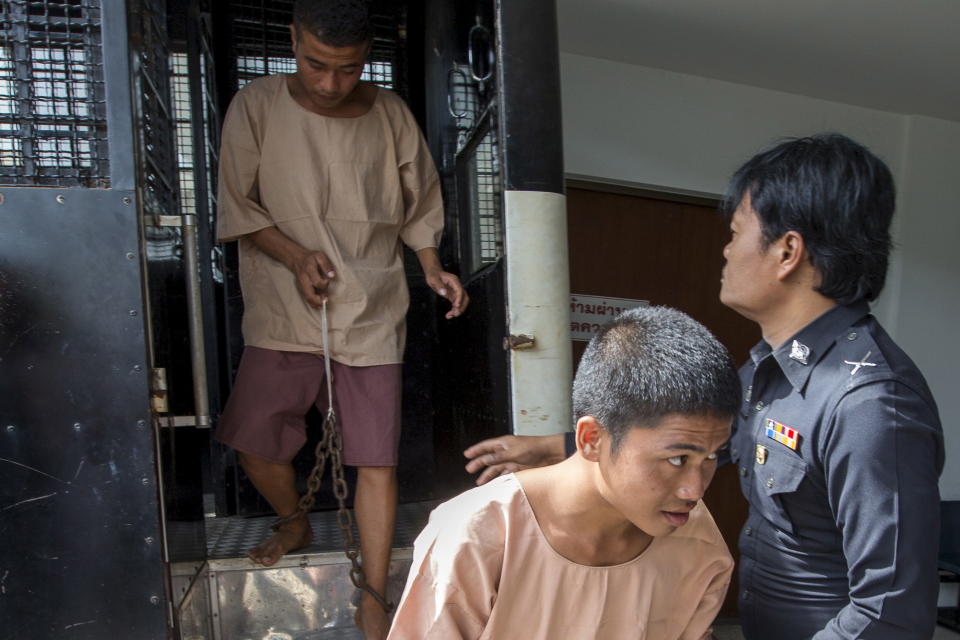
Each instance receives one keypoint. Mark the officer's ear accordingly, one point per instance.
(590, 435)
(791, 253)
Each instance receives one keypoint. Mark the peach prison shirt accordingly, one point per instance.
(353, 188)
(482, 569)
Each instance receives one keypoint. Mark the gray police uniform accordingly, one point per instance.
(839, 448)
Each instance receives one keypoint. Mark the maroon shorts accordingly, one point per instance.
(274, 390)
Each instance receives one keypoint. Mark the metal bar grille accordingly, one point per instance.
(196, 122)
(53, 123)
(180, 93)
(487, 214)
(157, 162)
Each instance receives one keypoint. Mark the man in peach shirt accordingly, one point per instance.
(322, 179)
(612, 543)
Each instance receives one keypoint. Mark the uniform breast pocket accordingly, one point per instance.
(779, 476)
(362, 192)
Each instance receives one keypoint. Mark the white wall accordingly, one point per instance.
(667, 130)
(927, 320)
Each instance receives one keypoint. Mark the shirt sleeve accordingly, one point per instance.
(422, 200)
(709, 605)
(882, 459)
(239, 211)
(453, 580)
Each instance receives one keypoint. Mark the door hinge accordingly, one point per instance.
(159, 400)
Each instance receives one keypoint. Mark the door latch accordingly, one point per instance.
(518, 342)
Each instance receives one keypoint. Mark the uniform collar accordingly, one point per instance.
(798, 355)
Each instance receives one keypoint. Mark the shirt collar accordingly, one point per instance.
(799, 354)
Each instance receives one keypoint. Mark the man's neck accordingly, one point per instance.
(576, 520)
(356, 104)
(789, 317)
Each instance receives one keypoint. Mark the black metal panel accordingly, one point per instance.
(79, 514)
(529, 73)
(472, 379)
(119, 96)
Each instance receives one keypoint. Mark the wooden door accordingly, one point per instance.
(627, 245)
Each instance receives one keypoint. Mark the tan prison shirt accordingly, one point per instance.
(350, 187)
(482, 569)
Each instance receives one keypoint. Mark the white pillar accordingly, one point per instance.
(538, 299)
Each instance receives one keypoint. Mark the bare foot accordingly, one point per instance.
(289, 537)
(372, 620)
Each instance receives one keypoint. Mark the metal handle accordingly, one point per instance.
(198, 356)
(472, 43)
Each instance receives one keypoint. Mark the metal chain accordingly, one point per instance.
(330, 448)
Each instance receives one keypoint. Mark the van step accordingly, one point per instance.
(307, 595)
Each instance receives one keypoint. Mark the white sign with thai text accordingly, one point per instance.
(589, 313)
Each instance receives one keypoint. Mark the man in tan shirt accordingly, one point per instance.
(613, 543)
(321, 179)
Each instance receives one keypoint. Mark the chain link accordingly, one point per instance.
(329, 448)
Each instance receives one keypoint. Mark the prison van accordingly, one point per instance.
(120, 516)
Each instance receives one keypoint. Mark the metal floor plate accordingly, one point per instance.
(306, 595)
(233, 537)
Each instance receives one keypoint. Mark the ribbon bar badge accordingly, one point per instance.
(783, 434)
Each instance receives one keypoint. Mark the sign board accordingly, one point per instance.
(589, 313)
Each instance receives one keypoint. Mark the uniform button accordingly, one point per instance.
(748, 531)
(769, 483)
(733, 452)
(852, 335)
(743, 471)
(746, 594)
(760, 406)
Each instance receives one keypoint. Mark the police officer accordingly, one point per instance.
(838, 442)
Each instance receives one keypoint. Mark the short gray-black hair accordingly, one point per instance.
(648, 363)
(336, 23)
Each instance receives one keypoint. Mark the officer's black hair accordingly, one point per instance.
(648, 363)
(336, 23)
(837, 195)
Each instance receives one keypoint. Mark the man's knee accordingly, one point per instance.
(377, 475)
(252, 462)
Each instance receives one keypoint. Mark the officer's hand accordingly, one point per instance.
(507, 454)
(314, 272)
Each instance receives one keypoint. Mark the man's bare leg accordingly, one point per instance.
(375, 506)
(277, 484)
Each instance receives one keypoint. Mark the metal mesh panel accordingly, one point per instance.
(180, 94)
(157, 147)
(261, 43)
(480, 189)
(53, 125)
(487, 216)
(185, 120)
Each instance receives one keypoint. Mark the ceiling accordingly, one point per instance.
(894, 55)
